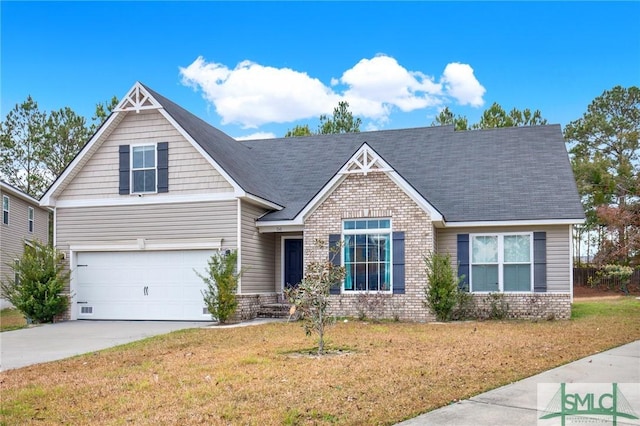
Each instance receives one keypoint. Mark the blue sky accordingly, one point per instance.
(258, 69)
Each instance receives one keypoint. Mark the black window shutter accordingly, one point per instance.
(335, 255)
(124, 169)
(163, 167)
(463, 261)
(398, 262)
(540, 261)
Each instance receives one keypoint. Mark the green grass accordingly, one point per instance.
(11, 319)
(621, 307)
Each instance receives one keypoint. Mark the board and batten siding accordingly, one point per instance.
(558, 249)
(189, 171)
(256, 253)
(14, 235)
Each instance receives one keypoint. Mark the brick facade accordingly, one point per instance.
(375, 196)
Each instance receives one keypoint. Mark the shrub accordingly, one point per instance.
(311, 297)
(498, 306)
(221, 279)
(465, 308)
(441, 292)
(39, 279)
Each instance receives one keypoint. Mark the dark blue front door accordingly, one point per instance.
(292, 262)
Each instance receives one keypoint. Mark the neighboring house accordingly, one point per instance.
(157, 190)
(23, 220)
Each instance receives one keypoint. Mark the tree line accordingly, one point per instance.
(603, 148)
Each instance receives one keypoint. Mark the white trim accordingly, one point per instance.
(435, 215)
(150, 245)
(365, 161)
(239, 245)
(155, 167)
(514, 223)
(8, 210)
(31, 220)
(17, 193)
(384, 167)
(236, 187)
(501, 263)
(137, 199)
(55, 228)
(281, 226)
(571, 261)
(282, 253)
(262, 201)
(47, 199)
(73, 283)
(386, 231)
(135, 100)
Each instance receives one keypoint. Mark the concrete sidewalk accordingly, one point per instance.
(517, 404)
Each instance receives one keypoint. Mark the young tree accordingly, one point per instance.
(605, 155)
(221, 279)
(38, 280)
(311, 296)
(441, 292)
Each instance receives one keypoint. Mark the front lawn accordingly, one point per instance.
(11, 319)
(249, 375)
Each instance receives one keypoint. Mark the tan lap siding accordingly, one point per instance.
(13, 235)
(558, 249)
(189, 171)
(257, 255)
(178, 221)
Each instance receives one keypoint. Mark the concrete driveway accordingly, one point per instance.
(51, 342)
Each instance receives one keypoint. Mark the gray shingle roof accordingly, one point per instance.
(518, 173)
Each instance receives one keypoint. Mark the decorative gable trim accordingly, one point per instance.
(137, 99)
(365, 161)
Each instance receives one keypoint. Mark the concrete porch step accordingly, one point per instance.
(274, 310)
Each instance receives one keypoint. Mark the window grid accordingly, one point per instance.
(5, 209)
(31, 219)
(143, 169)
(485, 271)
(367, 255)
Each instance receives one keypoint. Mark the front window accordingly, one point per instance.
(367, 255)
(501, 262)
(143, 168)
(30, 218)
(5, 209)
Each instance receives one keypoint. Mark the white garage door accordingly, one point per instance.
(150, 285)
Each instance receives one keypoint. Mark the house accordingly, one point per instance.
(23, 221)
(156, 191)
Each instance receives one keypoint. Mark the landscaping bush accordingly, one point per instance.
(441, 292)
(221, 279)
(39, 278)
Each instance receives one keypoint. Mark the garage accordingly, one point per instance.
(141, 285)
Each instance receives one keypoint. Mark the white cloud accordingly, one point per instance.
(252, 94)
(257, 135)
(461, 84)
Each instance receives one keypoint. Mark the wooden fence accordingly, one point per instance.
(581, 276)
